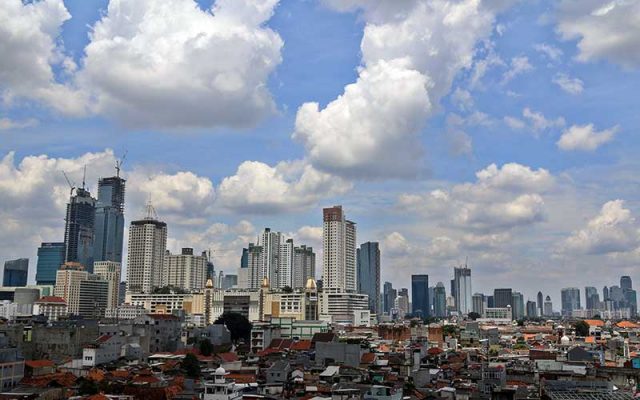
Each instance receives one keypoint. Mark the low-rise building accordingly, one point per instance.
(51, 307)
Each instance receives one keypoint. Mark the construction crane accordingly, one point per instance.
(119, 163)
(71, 185)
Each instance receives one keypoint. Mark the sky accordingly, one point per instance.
(500, 133)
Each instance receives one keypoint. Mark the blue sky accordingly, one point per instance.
(553, 211)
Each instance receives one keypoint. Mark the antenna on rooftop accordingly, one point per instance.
(84, 176)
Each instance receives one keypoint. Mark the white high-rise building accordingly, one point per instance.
(68, 280)
(147, 247)
(254, 266)
(339, 245)
(110, 272)
(270, 243)
(284, 274)
(462, 286)
(185, 270)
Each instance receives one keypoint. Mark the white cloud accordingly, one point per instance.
(7, 123)
(514, 123)
(30, 49)
(501, 199)
(460, 143)
(411, 52)
(463, 99)
(519, 65)
(613, 230)
(604, 30)
(539, 123)
(171, 64)
(568, 84)
(552, 52)
(585, 137)
(259, 188)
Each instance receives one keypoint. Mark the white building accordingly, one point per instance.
(68, 280)
(126, 311)
(185, 270)
(106, 348)
(109, 271)
(336, 305)
(284, 273)
(339, 245)
(51, 307)
(156, 303)
(463, 296)
(146, 250)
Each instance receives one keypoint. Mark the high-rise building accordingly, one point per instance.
(625, 283)
(420, 296)
(109, 220)
(109, 271)
(629, 295)
(146, 251)
(283, 276)
(388, 297)
(478, 303)
(503, 297)
(517, 305)
(185, 270)
(462, 283)
(490, 302)
(16, 272)
(440, 301)
(93, 297)
(532, 309)
(368, 267)
(254, 265)
(304, 266)
(68, 280)
(339, 245)
(570, 300)
(592, 299)
(605, 294)
(540, 304)
(50, 258)
(548, 307)
(401, 303)
(243, 271)
(79, 229)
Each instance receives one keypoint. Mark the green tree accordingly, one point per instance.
(191, 366)
(205, 347)
(238, 325)
(582, 328)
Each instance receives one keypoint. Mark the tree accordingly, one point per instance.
(87, 387)
(582, 328)
(238, 325)
(191, 365)
(287, 289)
(205, 347)
(473, 316)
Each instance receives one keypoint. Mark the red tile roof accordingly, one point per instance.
(301, 345)
(228, 357)
(104, 338)
(51, 299)
(163, 316)
(368, 358)
(39, 363)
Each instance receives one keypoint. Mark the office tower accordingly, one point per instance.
(478, 303)
(109, 271)
(502, 297)
(109, 220)
(440, 301)
(50, 258)
(388, 297)
(540, 303)
(420, 296)
(616, 295)
(532, 309)
(548, 307)
(570, 300)
(452, 289)
(592, 299)
(68, 280)
(605, 294)
(401, 303)
(432, 300)
(230, 281)
(78, 230)
(284, 272)
(243, 271)
(625, 283)
(93, 297)
(490, 302)
(147, 247)
(16, 272)
(304, 266)
(517, 305)
(339, 245)
(462, 283)
(631, 301)
(244, 258)
(264, 260)
(368, 267)
(185, 270)
(254, 257)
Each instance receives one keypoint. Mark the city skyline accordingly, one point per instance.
(520, 156)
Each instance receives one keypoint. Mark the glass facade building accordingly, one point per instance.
(50, 258)
(79, 229)
(16, 272)
(368, 266)
(109, 220)
(420, 296)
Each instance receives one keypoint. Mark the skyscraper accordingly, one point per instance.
(570, 300)
(503, 297)
(532, 309)
(463, 297)
(420, 296)
(478, 303)
(625, 283)
(50, 258)
(109, 220)
(517, 305)
(605, 293)
(16, 272)
(548, 307)
(629, 295)
(146, 251)
(254, 265)
(185, 270)
(592, 299)
(440, 300)
(79, 228)
(388, 297)
(368, 267)
(339, 245)
(109, 271)
(304, 266)
(540, 304)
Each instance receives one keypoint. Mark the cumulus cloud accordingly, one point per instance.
(172, 64)
(500, 199)
(568, 84)
(411, 52)
(519, 65)
(534, 120)
(550, 51)
(613, 230)
(259, 188)
(585, 138)
(603, 30)
(30, 50)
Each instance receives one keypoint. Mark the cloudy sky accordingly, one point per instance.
(501, 131)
